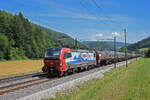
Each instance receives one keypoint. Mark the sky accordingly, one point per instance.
(84, 20)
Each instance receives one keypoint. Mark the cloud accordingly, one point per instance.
(109, 37)
(99, 35)
(121, 18)
(95, 34)
(144, 34)
(116, 34)
(68, 14)
(92, 37)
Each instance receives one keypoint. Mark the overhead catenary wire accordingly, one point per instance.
(106, 15)
(48, 25)
(92, 13)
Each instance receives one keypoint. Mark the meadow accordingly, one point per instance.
(9, 68)
(131, 83)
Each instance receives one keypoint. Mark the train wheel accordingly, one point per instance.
(49, 75)
(73, 70)
(60, 74)
(69, 71)
(88, 68)
(65, 73)
(78, 69)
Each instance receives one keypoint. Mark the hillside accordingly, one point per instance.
(145, 43)
(118, 44)
(103, 45)
(61, 38)
(98, 45)
(21, 39)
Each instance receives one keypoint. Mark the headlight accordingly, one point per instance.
(60, 63)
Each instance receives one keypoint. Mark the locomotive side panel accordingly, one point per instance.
(79, 59)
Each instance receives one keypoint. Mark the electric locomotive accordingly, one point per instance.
(62, 61)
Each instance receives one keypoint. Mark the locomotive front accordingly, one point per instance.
(52, 62)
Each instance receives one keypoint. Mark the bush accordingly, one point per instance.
(147, 53)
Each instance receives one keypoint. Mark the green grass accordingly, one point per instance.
(132, 83)
(143, 49)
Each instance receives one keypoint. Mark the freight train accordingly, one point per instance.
(62, 61)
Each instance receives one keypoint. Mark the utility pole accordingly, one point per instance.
(125, 34)
(115, 51)
(76, 43)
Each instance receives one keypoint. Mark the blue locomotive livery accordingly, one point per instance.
(79, 57)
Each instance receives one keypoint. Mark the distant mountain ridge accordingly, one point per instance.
(103, 45)
(118, 44)
(145, 43)
(98, 45)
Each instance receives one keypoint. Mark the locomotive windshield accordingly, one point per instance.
(52, 53)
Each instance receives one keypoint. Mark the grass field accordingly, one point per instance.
(132, 83)
(143, 49)
(8, 68)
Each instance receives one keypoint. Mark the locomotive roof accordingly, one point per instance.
(55, 48)
(80, 50)
(74, 50)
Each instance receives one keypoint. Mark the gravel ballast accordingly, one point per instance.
(49, 89)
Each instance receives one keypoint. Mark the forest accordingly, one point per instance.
(21, 39)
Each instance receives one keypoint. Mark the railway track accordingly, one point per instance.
(25, 84)
(8, 85)
(42, 78)
(22, 85)
(19, 77)
(15, 83)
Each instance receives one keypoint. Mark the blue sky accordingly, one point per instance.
(70, 17)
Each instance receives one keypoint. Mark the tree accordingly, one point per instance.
(3, 46)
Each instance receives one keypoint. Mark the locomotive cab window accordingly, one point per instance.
(67, 55)
(52, 53)
(94, 55)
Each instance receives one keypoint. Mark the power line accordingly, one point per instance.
(58, 28)
(92, 13)
(106, 15)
